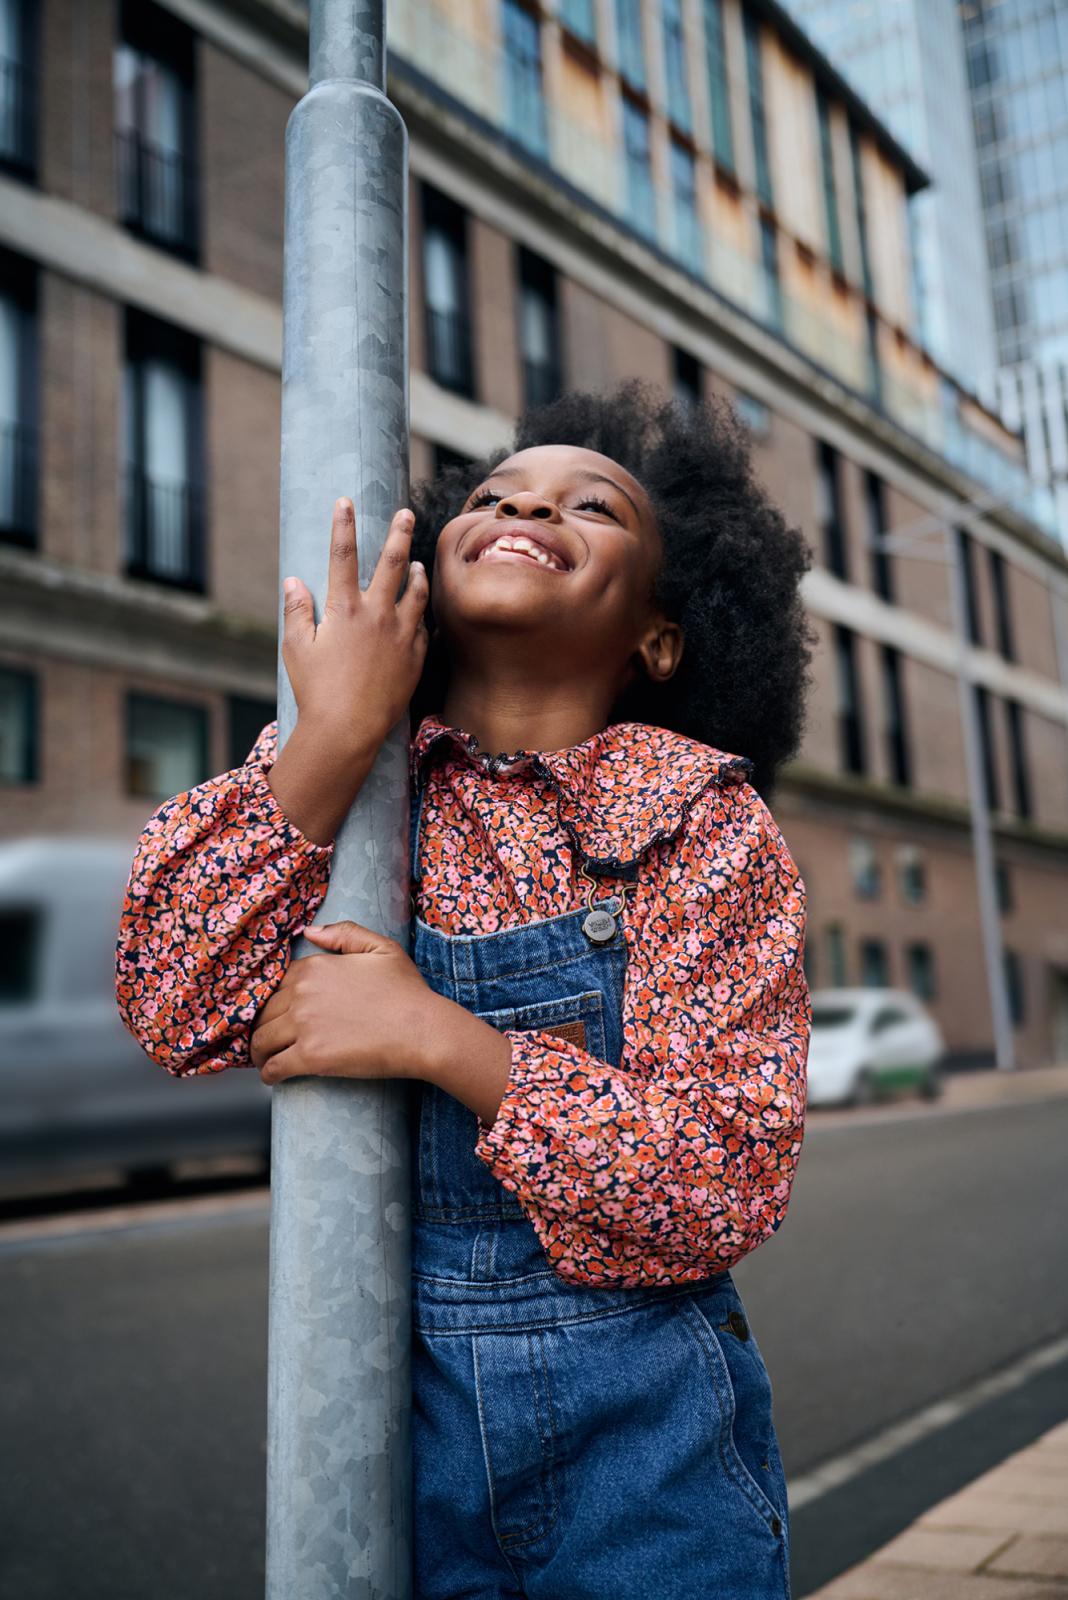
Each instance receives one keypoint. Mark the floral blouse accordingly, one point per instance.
(666, 1169)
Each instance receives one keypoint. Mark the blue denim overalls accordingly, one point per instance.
(569, 1442)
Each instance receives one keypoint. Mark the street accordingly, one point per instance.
(922, 1254)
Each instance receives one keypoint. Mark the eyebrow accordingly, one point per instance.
(584, 475)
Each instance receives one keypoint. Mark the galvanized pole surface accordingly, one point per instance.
(339, 1391)
(982, 846)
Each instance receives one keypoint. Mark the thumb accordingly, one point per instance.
(347, 938)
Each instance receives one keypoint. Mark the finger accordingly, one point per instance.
(347, 938)
(298, 613)
(412, 603)
(343, 578)
(393, 559)
(270, 1038)
(286, 1064)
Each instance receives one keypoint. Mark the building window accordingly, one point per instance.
(919, 963)
(897, 751)
(166, 747)
(986, 745)
(757, 117)
(641, 206)
(1021, 781)
(524, 100)
(830, 193)
(1014, 984)
(164, 453)
(769, 265)
(678, 90)
(850, 724)
(875, 370)
(718, 91)
(754, 413)
(18, 86)
(875, 502)
(629, 44)
(246, 718)
(18, 400)
(446, 458)
(448, 321)
(999, 582)
(155, 128)
(829, 510)
(580, 17)
(864, 869)
(913, 876)
(539, 329)
(1003, 886)
(18, 726)
(689, 386)
(837, 964)
(971, 607)
(688, 242)
(874, 968)
(861, 211)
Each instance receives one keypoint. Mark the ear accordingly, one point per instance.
(660, 651)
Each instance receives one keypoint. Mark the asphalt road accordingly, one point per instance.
(920, 1254)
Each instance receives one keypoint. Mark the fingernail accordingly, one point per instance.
(289, 585)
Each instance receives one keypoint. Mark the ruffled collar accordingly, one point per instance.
(626, 788)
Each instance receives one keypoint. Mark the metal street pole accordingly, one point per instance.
(339, 1390)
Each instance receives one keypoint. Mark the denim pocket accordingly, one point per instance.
(559, 1015)
(748, 1441)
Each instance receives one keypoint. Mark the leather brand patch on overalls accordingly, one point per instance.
(571, 1032)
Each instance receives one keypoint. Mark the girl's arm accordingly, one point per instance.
(679, 1163)
(221, 880)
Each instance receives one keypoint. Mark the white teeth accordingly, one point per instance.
(526, 547)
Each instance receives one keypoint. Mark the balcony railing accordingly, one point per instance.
(164, 530)
(18, 484)
(157, 192)
(449, 349)
(18, 116)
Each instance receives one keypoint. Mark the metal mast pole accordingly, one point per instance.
(339, 1394)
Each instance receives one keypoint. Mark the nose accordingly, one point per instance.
(528, 503)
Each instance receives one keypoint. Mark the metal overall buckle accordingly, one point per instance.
(598, 925)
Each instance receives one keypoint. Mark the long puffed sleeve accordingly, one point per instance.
(680, 1162)
(221, 879)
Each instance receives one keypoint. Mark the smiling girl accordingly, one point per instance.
(602, 1012)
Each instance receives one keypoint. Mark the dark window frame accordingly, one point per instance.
(927, 988)
(832, 527)
(203, 711)
(831, 215)
(1000, 582)
(972, 622)
(687, 376)
(851, 742)
(444, 216)
(877, 949)
(142, 172)
(718, 86)
(860, 207)
(897, 742)
(988, 759)
(881, 562)
(542, 380)
(149, 339)
(30, 768)
(754, 67)
(1014, 983)
(525, 118)
(19, 441)
(246, 718)
(1021, 778)
(19, 80)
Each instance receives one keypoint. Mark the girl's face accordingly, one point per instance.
(592, 525)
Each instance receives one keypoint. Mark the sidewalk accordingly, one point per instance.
(963, 1091)
(1004, 1537)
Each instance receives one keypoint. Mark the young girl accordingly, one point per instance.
(604, 1012)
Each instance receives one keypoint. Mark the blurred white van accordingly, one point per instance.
(76, 1090)
(870, 1043)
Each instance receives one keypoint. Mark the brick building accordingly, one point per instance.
(680, 189)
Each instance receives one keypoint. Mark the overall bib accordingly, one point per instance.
(569, 1442)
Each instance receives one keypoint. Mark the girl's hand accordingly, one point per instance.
(365, 1012)
(355, 673)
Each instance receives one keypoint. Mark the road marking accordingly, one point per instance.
(841, 1469)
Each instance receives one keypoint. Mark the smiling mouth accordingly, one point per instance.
(521, 549)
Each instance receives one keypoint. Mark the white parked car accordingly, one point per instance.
(870, 1043)
(77, 1092)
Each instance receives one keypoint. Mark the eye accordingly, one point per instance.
(597, 504)
(483, 497)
